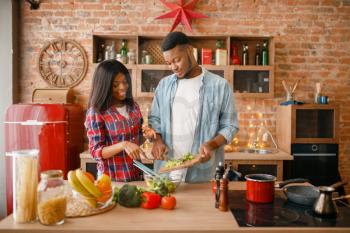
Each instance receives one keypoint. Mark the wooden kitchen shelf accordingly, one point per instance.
(246, 81)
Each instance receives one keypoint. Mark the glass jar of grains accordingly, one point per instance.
(52, 200)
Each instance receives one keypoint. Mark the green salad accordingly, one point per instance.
(177, 162)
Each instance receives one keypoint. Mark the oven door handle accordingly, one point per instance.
(314, 154)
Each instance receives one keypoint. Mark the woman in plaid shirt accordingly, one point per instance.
(114, 122)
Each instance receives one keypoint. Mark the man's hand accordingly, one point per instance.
(159, 148)
(205, 152)
(133, 150)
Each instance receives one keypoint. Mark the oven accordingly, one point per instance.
(316, 162)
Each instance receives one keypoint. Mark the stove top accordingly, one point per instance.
(281, 213)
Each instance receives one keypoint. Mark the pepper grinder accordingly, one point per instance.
(219, 172)
(223, 201)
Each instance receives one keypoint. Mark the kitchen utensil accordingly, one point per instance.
(303, 194)
(186, 164)
(260, 188)
(341, 197)
(324, 204)
(143, 168)
(300, 194)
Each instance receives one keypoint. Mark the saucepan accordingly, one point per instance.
(260, 188)
(303, 194)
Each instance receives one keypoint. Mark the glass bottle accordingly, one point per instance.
(107, 53)
(144, 54)
(235, 57)
(112, 51)
(52, 200)
(265, 54)
(257, 55)
(245, 56)
(100, 53)
(131, 56)
(124, 51)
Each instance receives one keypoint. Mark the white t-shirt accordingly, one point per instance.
(184, 114)
(122, 110)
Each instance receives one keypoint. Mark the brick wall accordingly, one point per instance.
(312, 43)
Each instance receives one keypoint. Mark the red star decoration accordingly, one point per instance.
(181, 12)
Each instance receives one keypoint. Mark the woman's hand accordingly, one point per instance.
(148, 132)
(133, 150)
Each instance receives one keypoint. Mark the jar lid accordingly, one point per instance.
(51, 174)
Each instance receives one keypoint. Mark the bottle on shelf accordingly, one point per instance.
(245, 55)
(107, 53)
(265, 54)
(124, 51)
(100, 57)
(143, 58)
(131, 56)
(235, 57)
(112, 53)
(257, 55)
(220, 54)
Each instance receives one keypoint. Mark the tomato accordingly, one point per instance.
(168, 202)
(150, 200)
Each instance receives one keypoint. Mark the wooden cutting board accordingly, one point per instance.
(186, 164)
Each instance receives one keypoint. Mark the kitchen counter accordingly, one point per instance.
(195, 212)
(252, 161)
(280, 155)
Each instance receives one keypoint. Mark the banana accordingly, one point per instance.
(88, 185)
(76, 185)
(91, 202)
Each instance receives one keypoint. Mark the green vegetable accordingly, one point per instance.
(161, 185)
(177, 162)
(158, 186)
(115, 194)
(129, 196)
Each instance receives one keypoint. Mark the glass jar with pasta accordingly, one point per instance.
(52, 200)
(25, 182)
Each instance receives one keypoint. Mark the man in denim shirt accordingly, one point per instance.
(193, 111)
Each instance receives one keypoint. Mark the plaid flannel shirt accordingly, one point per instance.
(108, 128)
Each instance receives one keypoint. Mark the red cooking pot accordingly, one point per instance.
(260, 188)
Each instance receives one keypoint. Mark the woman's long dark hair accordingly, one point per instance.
(101, 96)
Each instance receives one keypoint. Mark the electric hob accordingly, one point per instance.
(281, 213)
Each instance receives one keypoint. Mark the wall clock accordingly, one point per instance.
(62, 63)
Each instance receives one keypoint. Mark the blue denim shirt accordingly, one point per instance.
(217, 115)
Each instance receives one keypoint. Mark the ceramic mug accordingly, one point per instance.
(323, 99)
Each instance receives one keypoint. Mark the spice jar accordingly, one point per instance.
(52, 199)
(25, 182)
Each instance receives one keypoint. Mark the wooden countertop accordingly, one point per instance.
(195, 212)
(280, 155)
